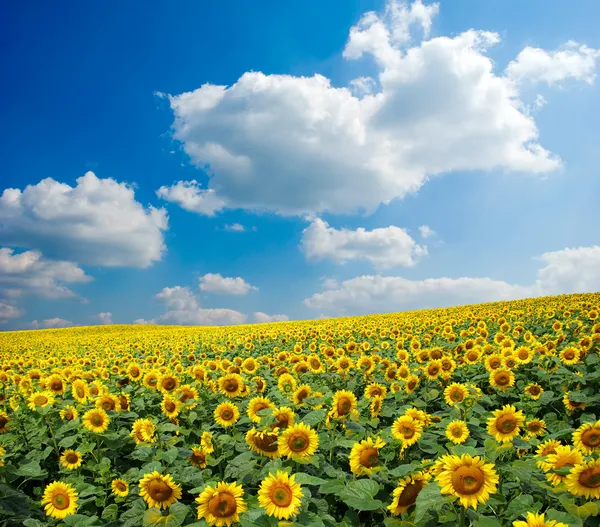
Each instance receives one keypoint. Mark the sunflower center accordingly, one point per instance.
(41, 400)
(457, 396)
(408, 431)
(231, 386)
(502, 379)
(506, 424)
(534, 427)
(159, 490)
(69, 415)
(72, 458)
(344, 406)
(282, 496)
(534, 390)
(282, 421)
(120, 486)
(468, 480)
(226, 414)
(266, 442)
(170, 406)
(410, 493)
(108, 405)
(412, 384)
(61, 501)
(369, 457)
(590, 478)
(457, 432)
(495, 363)
(591, 438)
(97, 420)
(434, 370)
(199, 458)
(93, 390)
(56, 386)
(222, 505)
(298, 443)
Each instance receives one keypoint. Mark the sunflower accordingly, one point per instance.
(570, 355)
(418, 415)
(41, 400)
(226, 414)
(365, 455)
(433, 369)
(59, 500)
(455, 393)
(198, 457)
(376, 405)
(301, 393)
(468, 478)
(2, 454)
(95, 420)
(231, 385)
(69, 413)
(71, 459)
(168, 383)
(170, 406)
(534, 391)
(502, 379)
(286, 383)
(222, 504)
(108, 403)
(344, 404)
(523, 355)
(264, 443)
(143, 431)
(547, 447)
(119, 487)
(505, 424)
(280, 495)
(535, 427)
(584, 480)
(298, 442)
(538, 520)
(257, 404)
(457, 432)
(79, 391)
(206, 442)
(134, 372)
(284, 417)
(374, 390)
(412, 381)
(565, 456)
(55, 384)
(407, 430)
(570, 405)
(405, 494)
(493, 362)
(159, 491)
(587, 437)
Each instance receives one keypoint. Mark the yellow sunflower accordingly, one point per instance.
(198, 457)
(538, 520)
(455, 393)
(570, 405)
(457, 432)
(505, 424)
(534, 391)
(143, 431)
(565, 456)
(231, 385)
(374, 390)
(280, 495)
(71, 459)
(284, 417)
(69, 413)
(206, 442)
(95, 420)
(587, 437)
(257, 404)
(301, 393)
(59, 500)
(502, 379)
(344, 404)
(584, 480)
(41, 400)
(470, 479)
(407, 430)
(222, 504)
(170, 406)
(570, 355)
(265, 443)
(159, 491)
(405, 494)
(298, 442)
(119, 487)
(79, 390)
(365, 455)
(226, 414)
(535, 427)
(375, 406)
(4, 420)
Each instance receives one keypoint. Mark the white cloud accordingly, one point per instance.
(234, 227)
(572, 61)
(50, 323)
(8, 311)
(183, 308)
(571, 270)
(189, 196)
(426, 231)
(263, 317)
(384, 247)
(145, 322)
(97, 222)
(105, 318)
(29, 272)
(363, 86)
(298, 145)
(215, 283)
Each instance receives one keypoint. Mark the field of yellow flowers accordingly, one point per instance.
(484, 415)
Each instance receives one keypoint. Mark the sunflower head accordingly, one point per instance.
(119, 487)
(226, 414)
(264, 443)
(584, 480)
(71, 459)
(280, 495)
(96, 420)
(159, 491)
(364, 456)
(457, 432)
(221, 505)
(59, 500)
(505, 424)
(406, 493)
(298, 442)
(587, 437)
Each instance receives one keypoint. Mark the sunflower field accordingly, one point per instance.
(485, 415)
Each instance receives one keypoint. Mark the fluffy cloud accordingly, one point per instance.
(105, 318)
(263, 317)
(572, 61)
(426, 231)
(298, 145)
(8, 311)
(97, 222)
(189, 196)
(566, 271)
(29, 272)
(182, 308)
(215, 283)
(234, 227)
(50, 323)
(383, 247)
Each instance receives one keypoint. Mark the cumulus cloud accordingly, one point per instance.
(215, 283)
(97, 222)
(51, 323)
(263, 317)
(426, 231)
(105, 318)
(570, 270)
(30, 273)
(8, 312)
(234, 227)
(298, 145)
(182, 308)
(189, 196)
(384, 247)
(572, 61)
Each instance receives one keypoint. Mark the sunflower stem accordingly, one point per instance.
(56, 450)
(462, 517)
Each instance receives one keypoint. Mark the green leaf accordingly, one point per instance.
(403, 470)
(306, 479)
(395, 522)
(31, 469)
(569, 519)
(315, 417)
(111, 512)
(429, 499)
(486, 521)
(68, 442)
(171, 455)
(333, 486)
(521, 503)
(79, 520)
(359, 494)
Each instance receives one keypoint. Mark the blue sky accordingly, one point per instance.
(476, 119)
